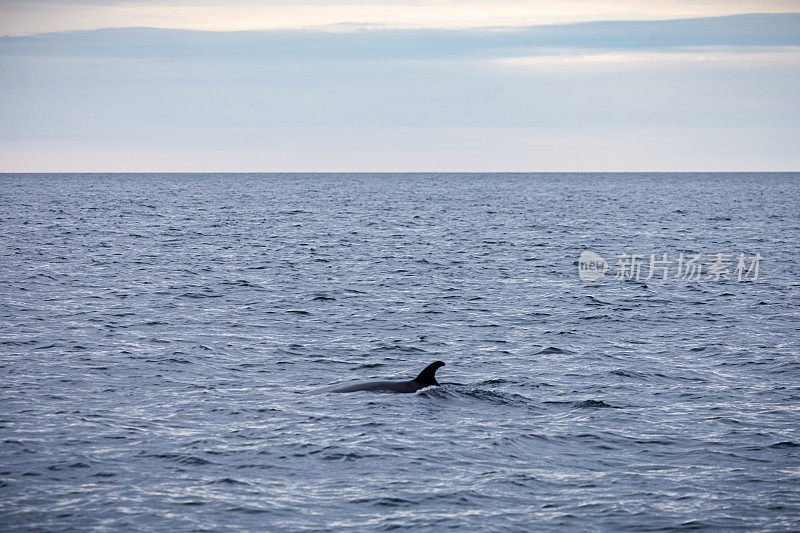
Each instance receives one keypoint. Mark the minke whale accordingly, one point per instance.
(426, 378)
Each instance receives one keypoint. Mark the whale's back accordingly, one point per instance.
(376, 386)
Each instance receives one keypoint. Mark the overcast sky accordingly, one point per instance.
(397, 86)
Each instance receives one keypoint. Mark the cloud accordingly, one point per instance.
(740, 30)
(708, 57)
(708, 93)
(38, 16)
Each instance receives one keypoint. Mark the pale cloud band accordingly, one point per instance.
(682, 35)
(708, 57)
(24, 17)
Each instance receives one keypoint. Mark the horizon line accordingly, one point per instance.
(188, 172)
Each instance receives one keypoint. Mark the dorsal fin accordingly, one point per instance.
(428, 375)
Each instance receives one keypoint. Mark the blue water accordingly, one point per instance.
(159, 333)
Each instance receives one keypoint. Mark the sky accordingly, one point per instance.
(209, 86)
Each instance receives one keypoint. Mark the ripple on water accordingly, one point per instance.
(158, 332)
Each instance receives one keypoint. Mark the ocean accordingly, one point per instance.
(622, 352)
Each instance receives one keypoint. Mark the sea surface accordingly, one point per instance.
(160, 335)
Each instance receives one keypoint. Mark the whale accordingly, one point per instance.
(426, 378)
